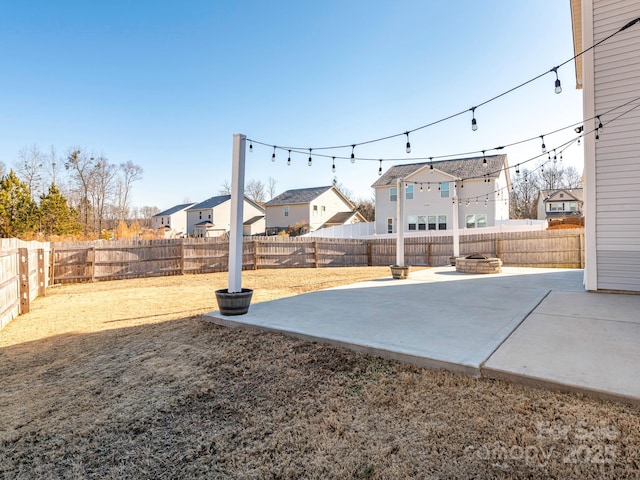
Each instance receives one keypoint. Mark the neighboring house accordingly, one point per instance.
(319, 207)
(172, 221)
(476, 190)
(608, 76)
(212, 217)
(560, 203)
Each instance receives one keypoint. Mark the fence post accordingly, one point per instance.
(182, 256)
(429, 254)
(52, 266)
(23, 261)
(497, 246)
(42, 287)
(255, 254)
(369, 254)
(315, 254)
(93, 263)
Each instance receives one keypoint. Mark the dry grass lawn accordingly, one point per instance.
(125, 380)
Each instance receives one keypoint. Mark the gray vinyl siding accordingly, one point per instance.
(617, 81)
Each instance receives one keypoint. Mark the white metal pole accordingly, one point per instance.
(400, 223)
(456, 229)
(237, 205)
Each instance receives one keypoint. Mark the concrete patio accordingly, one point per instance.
(526, 324)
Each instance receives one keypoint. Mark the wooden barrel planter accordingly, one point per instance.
(400, 272)
(236, 303)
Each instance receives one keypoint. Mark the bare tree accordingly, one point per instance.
(549, 176)
(102, 188)
(367, 208)
(145, 215)
(81, 167)
(255, 190)
(225, 188)
(53, 167)
(129, 173)
(271, 187)
(29, 168)
(524, 195)
(572, 178)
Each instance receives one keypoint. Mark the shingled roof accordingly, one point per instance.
(464, 168)
(172, 210)
(211, 202)
(300, 195)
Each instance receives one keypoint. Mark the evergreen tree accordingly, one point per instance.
(56, 216)
(18, 211)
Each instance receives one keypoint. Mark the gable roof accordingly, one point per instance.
(464, 168)
(341, 218)
(215, 201)
(172, 210)
(253, 220)
(300, 195)
(575, 193)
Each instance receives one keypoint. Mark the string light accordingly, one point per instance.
(289, 158)
(408, 143)
(474, 123)
(333, 167)
(273, 155)
(428, 187)
(558, 88)
(518, 169)
(380, 168)
(250, 147)
(599, 123)
(431, 164)
(353, 156)
(420, 187)
(544, 147)
(310, 160)
(484, 160)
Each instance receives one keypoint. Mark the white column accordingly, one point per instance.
(456, 229)
(400, 223)
(237, 205)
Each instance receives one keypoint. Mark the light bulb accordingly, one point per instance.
(333, 167)
(408, 143)
(558, 86)
(289, 158)
(544, 147)
(273, 155)
(599, 122)
(380, 168)
(310, 161)
(474, 123)
(428, 187)
(250, 147)
(353, 156)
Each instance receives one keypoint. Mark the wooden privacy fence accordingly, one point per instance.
(104, 260)
(24, 275)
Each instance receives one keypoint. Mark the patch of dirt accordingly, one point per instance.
(125, 380)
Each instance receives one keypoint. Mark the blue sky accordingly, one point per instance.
(166, 84)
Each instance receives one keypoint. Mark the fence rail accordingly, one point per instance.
(95, 261)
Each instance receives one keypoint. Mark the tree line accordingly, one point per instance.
(46, 194)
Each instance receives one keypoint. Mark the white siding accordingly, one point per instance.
(616, 70)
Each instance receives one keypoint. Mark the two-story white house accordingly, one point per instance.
(560, 203)
(317, 207)
(173, 221)
(476, 190)
(212, 217)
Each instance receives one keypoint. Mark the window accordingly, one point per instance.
(323, 210)
(409, 192)
(481, 221)
(470, 221)
(444, 189)
(442, 222)
(412, 221)
(162, 221)
(562, 195)
(422, 222)
(573, 206)
(389, 225)
(315, 210)
(432, 222)
(556, 207)
(200, 214)
(209, 216)
(286, 210)
(393, 194)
